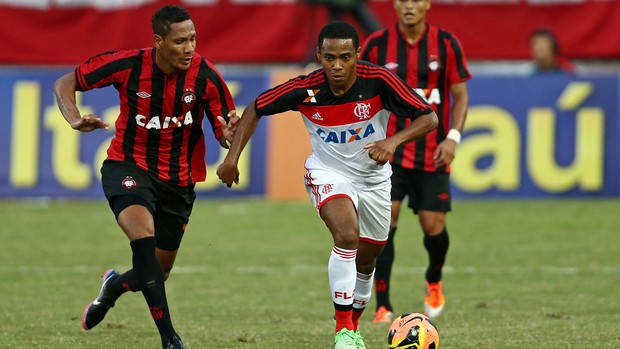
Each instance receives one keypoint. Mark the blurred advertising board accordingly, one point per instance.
(525, 137)
(40, 155)
(540, 136)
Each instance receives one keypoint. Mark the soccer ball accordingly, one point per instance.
(413, 331)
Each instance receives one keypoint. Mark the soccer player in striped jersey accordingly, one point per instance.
(157, 154)
(345, 106)
(432, 61)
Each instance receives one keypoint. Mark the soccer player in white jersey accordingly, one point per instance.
(345, 106)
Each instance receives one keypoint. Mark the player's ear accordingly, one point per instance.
(318, 54)
(358, 52)
(157, 41)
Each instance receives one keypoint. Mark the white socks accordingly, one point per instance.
(342, 271)
(363, 290)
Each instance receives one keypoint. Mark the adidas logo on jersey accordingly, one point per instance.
(316, 116)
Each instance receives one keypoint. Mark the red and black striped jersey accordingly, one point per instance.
(430, 66)
(340, 126)
(160, 123)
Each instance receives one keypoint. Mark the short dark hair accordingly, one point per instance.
(339, 30)
(166, 16)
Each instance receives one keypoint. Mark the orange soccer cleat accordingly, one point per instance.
(383, 315)
(434, 300)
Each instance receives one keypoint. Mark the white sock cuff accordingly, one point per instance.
(365, 277)
(344, 254)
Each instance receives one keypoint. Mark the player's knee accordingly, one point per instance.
(432, 227)
(346, 239)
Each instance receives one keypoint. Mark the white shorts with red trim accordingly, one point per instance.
(372, 202)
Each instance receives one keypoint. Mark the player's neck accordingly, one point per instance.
(412, 33)
(340, 89)
(162, 65)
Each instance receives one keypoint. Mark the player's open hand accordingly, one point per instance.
(228, 173)
(444, 153)
(228, 129)
(89, 122)
(380, 151)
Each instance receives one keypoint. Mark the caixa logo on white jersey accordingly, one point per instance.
(348, 136)
(164, 122)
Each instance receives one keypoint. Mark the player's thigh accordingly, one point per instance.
(174, 207)
(127, 186)
(336, 200)
(322, 186)
(374, 209)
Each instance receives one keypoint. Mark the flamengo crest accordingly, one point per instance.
(362, 111)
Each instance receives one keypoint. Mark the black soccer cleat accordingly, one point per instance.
(96, 311)
(174, 343)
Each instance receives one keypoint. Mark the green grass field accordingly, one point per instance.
(253, 274)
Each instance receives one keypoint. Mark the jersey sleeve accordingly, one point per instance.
(457, 70)
(400, 98)
(219, 101)
(284, 97)
(103, 70)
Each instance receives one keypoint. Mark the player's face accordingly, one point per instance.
(175, 50)
(411, 12)
(338, 58)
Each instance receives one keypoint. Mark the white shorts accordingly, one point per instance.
(372, 203)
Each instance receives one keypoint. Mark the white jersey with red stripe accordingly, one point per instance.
(340, 126)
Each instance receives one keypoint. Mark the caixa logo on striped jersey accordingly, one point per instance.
(164, 122)
(347, 136)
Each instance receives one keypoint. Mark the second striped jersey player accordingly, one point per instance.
(431, 60)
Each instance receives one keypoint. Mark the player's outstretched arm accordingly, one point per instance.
(64, 89)
(228, 172)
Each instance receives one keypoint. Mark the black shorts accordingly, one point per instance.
(426, 190)
(125, 184)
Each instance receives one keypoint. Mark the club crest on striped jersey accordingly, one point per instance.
(311, 96)
(362, 111)
(189, 97)
(433, 63)
(128, 183)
